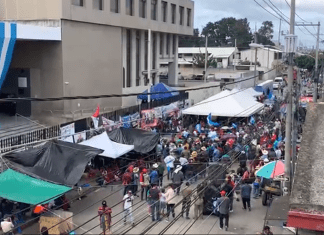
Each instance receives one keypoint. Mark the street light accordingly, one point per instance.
(256, 46)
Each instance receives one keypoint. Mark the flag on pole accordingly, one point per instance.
(95, 117)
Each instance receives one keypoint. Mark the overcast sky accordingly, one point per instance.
(309, 10)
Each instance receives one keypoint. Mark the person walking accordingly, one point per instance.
(154, 197)
(169, 161)
(160, 170)
(104, 213)
(127, 179)
(246, 190)
(229, 189)
(154, 175)
(199, 203)
(256, 187)
(135, 181)
(184, 163)
(144, 182)
(171, 201)
(162, 202)
(186, 201)
(223, 204)
(128, 204)
(177, 179)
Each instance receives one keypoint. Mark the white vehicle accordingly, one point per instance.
(278, 81)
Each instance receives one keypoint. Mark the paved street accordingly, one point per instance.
(241, 221)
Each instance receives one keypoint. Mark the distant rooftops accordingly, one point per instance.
(217, 52)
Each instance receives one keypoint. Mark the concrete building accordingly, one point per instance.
(224, 56)
(92, 47)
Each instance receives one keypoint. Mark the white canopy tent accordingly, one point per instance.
(252, 92)
(235, 103)
(111, 149)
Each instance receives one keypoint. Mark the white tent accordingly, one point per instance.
(252, 92)
(111, 149)
(235, 103)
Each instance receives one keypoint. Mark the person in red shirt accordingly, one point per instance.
(104, 213)
(127, 179)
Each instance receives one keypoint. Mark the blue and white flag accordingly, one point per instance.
(210, 122)
(8, 35)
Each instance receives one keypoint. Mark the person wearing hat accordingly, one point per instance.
(177, 178)
(7, 226)
(128, 204)
(223, 204)
(104, 213)
(154, 175)
(135, 177)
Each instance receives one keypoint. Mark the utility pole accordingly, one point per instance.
(149, 67)
(206, 58)
(256, 56)
(290, 49)
(279, 32)
(316, 64)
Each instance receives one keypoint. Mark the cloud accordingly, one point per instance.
(309, 10)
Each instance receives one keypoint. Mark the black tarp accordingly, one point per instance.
(143, 141)
(56, 161)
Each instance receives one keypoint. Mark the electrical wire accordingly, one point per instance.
(157, 222)
(281, 16)
(76, 198)
(296, 13)
(116, 95)
(267, 10)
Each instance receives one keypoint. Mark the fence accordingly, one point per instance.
(11, 142)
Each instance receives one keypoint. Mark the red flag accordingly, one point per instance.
(96, 114)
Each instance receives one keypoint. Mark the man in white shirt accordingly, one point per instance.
(128, 203)
(169, 161)
(7, 226)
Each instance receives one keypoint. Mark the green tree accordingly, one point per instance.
(265, 33)
(224, 32)
(192, 41)
(198, 60)
(305, 62)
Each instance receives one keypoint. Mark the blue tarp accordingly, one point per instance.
(160, 87)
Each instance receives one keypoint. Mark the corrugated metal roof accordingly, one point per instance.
(218, 52)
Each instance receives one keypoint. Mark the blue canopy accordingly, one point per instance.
(160, 87)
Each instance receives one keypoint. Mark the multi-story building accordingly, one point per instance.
(91, 47)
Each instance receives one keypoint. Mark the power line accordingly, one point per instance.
(296, 13)
(267, 10)
(282, 15)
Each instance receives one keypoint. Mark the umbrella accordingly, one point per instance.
(272, 170)
(228, 136)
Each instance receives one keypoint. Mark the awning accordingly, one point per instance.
(143, 141)
(8, 35)
(111, 149)
(160, 89)
(227, 104)
(56, 161)
(18, 187)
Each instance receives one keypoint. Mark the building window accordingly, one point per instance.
(79, 3)
(142, 8)
(181, 10)
(129, 7)
(114, 6)
(138, 51)
(168, 44)
(153, 9)
(98, 5)
(128, 57)
(161, 43)
(164, 11)
(173, 12)
(174, 45)
(188, 17)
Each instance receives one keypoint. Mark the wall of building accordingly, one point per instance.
(30, 9)
(44, 59)
(63, 9)
(196, 96)
(265, 57)
(92, 65)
